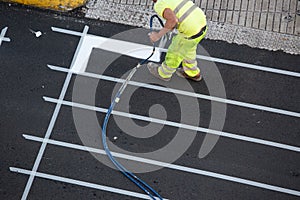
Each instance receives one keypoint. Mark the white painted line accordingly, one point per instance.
(213, 59)
(65, 31)
(5, 39)
(2, 38)
(170, 166)
(181, 92)
(113, 45)
(51, 124)
(178, 125)
(81, 183)
(117, 46)
(249, 66)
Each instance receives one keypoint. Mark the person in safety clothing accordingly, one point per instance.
(190, 21)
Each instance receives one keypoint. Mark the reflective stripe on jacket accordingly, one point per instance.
(191, 18)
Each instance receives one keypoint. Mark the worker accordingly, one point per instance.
(190, 21)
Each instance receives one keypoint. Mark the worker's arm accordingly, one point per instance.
(171, 21)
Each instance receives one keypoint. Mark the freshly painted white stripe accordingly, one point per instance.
(2, 38)
(79, 46)
(81, 183)
(170, 166)
(249, 66)
(181, 92)
(65, 31)
(117, 46)
(218, 60)
(178, 125)
(5, 39)
(52, 122)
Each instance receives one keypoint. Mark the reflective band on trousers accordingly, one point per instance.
(190, 65)
(190, 61)
(168, 71)
(185, 68)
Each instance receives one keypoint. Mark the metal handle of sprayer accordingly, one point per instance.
(119, 93)
(137, 181)
(151, 29)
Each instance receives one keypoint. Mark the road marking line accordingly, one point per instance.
(175, 124)
(181, 92)
(65, 31)
(52, 122)
(2, 38)
(168, 165)
(249, 66)
(120, 47)
(210, 59)
(81, 183)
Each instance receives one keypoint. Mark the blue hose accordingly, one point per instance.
(140, 183)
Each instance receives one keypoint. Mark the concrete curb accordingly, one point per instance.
(233, 28)
(58, 5)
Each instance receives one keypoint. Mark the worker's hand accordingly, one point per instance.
(154, 36)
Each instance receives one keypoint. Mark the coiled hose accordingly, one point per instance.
(137, 181)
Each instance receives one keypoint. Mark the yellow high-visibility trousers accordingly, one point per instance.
(181, 51)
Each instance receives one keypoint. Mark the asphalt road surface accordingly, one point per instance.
(249, 101)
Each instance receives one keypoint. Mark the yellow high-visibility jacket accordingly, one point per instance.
(195, 18)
